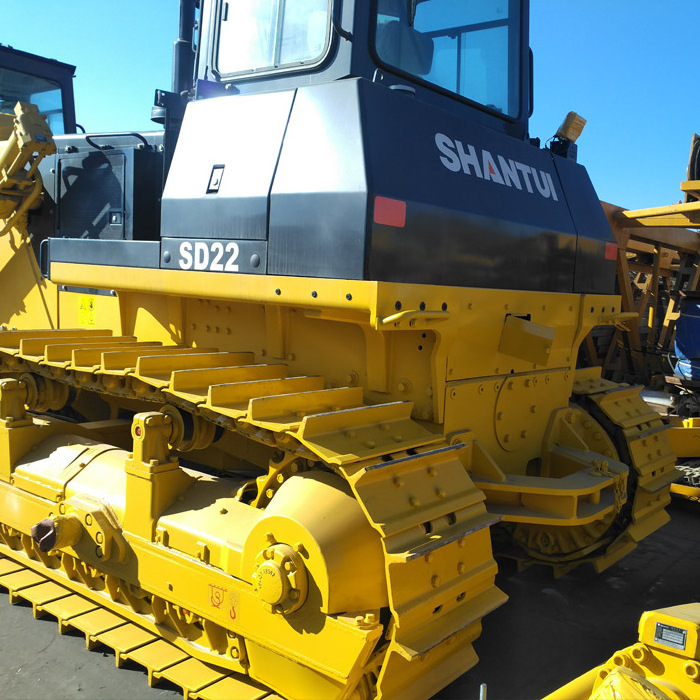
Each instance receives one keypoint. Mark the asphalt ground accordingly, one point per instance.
(550, 631)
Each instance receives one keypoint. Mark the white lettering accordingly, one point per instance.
(449, 157)
(201, 255)
(525, 170)
(468, 160)
(510, 172)
(185, 261)
(218, 250)
(544, 188)
(490, 168)
(231, 265)
(456, 156)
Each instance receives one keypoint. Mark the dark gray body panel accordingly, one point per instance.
(242, 138)
(481, 209)
(296, 179)
(318, 206)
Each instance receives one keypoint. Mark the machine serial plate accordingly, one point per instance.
(214, 255)
(670, 636)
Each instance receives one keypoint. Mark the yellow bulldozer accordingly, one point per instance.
(272, 375)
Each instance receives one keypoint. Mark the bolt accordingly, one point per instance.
(692, 670)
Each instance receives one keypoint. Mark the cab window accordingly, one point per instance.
(471, 47)
(45, 94)
(256, 36)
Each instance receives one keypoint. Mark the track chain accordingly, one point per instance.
(162, 660)
(640, 438)
(435, 530)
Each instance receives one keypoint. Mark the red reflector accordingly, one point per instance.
(390, 212)
(610, 251)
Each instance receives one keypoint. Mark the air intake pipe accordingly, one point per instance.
(183, 50)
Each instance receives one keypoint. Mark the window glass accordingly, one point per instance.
(262, 35)
(45, 94)
(470, 47)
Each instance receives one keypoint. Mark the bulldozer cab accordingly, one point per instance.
(48, 84)
(466, 56)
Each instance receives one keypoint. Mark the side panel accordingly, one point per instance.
(318, 208)
(482, 209)
(596, 256)
(219, 181)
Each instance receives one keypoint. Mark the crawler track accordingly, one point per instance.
(130, 642)
(431, 518)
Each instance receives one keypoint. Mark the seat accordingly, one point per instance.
(405, 47)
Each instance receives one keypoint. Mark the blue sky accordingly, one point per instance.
(624, 65)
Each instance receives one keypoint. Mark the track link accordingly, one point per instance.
(129, 641)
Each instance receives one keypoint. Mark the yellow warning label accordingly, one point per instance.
(86, 310)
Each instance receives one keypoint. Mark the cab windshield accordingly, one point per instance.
(469, 47)
(262, 35)
(45, 94)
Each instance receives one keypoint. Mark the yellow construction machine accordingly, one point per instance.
(663, 665)
(285, 365)
(658, 274)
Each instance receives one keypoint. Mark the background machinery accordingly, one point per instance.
(285, 365)
(48, 84)
(662, 665)
(658, 277)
